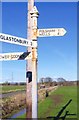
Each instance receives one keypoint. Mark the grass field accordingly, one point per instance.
(12, 88)
(54, 103)
(59, 98)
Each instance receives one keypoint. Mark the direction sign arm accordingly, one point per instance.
(15, 56)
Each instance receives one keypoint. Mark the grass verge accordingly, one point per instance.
(54, 103)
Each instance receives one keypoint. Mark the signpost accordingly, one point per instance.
(30, 55)
(15, 56)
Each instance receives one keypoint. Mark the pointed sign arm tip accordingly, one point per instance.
(65, 31)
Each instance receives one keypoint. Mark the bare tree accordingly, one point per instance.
(42, 80)
(61, 81)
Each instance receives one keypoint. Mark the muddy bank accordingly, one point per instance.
(13, 104)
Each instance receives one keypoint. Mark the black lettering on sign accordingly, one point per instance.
(9, 38)
(47, 32)
(14, 56)
(1, 36)
(24, 42)
(5, 38)
(14, 40)
(6, 56)
(18, 40)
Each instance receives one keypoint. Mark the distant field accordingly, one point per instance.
(59, 98)
(12, 88)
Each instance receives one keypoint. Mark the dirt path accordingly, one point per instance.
(56, 100)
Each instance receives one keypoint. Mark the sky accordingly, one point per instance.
(57, 56)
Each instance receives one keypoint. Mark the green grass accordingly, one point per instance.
(12, 88)
(49, 108)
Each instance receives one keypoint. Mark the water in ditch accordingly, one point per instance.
(21, 112)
